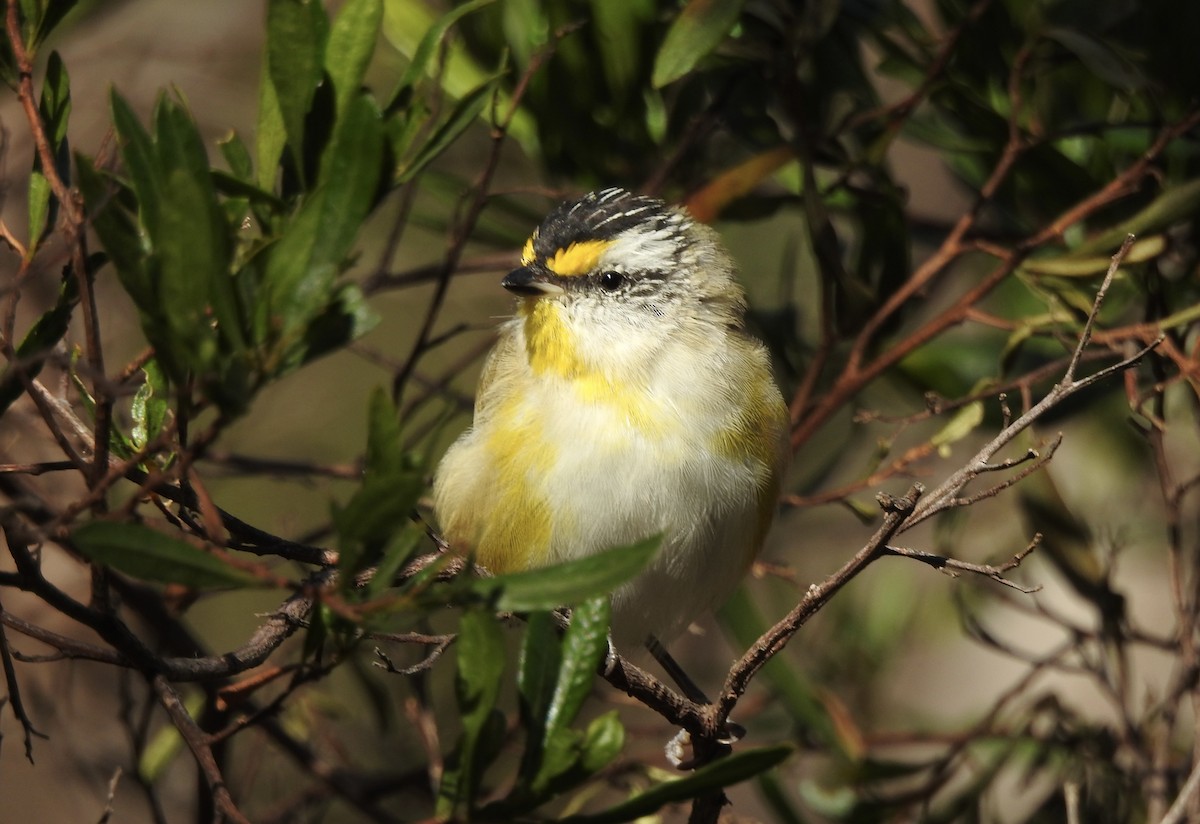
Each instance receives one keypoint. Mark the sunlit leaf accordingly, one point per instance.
(567, 583)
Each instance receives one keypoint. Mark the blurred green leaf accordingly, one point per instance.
(270, 133)
(39, 210)
(460, 119)
(602, 743)
(351, 43)
(434, 33)
(54, 107)
(38, 342)
(296, 36)
(52, 13)
(347, 317)
(1101, 58)
(698, 29)
(1076, 265)
(964, 422)
(567, 583)
(191, 239)
(163, 746)
(382, 505)
(723, 773)
(145, 553)
(1173, 205)
(305, 261)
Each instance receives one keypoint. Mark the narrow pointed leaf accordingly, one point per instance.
(698, 29)
(351, 43)
(723, 773)
(568, 583)
(154, 556)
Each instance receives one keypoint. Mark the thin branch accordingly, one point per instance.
(14, 693)
(197, 742)
(897, 510)
(952, 566)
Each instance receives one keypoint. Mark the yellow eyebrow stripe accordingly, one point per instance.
(527, 255)
(578, 258)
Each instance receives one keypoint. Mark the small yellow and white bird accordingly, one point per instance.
(624, 400)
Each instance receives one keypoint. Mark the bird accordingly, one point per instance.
(623, 400)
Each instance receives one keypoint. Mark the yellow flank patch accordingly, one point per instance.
(517, 529)
(578, 258)
(527, 255)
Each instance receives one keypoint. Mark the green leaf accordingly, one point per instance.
(964, 422)
(476, 687)
(541, 657)
(1173, 205)
(42, 337)
(55, 103)
(602, 743)
(238, 157)
(567, 583)
(351, 43)
(137, 150)
(150, 404)
(118, 231)
(39, 210)
(1077, 265)
(53, 11)
(304, 263)
(723, 773)
(463, 115)
(381, 507)
(296, 34)
(55, 110)
(346, 318)
(191, 240)
(699, 29)
(427, 48)
(270, 134)
(1101, 58)
(162, 747)
(153, 556)
(584, 646)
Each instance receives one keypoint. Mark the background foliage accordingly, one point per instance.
(234, 349)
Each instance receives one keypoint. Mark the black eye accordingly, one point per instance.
(611, 281)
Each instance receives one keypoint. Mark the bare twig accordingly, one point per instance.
(197, 742)
(953, 566)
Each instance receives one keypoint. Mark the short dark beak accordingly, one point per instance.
(530, 283)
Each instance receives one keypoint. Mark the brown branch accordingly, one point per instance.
(953, 566)
(897, 510)
(947, 494)
(464, 227)
(75, 238)
(197, 742)
(14, 693)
